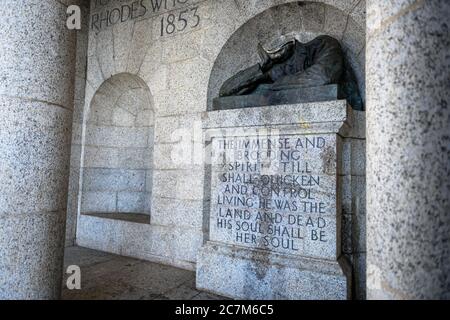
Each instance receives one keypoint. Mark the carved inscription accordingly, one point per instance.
(174, 16)
(180, 21)
(105, 15)
(275, 194)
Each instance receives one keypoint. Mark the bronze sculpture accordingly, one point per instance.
(293, 72)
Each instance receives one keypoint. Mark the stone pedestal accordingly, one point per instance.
(275, 202)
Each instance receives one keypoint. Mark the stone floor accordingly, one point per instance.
(106, 276)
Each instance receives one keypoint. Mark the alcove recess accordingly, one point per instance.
(118, 151)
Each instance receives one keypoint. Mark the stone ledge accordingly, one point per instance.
(337, 111)
(130, 217)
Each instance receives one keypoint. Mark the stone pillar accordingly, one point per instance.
(36, 97)
(408, 151)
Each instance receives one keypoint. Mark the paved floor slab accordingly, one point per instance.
(106, 276)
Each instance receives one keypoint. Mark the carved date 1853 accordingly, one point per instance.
(172, 23)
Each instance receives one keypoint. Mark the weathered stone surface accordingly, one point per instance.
(36, 88)
(32, 249)
(49, 47)
(78, 112)
(359, 270)
(176, 212)
(35, 156)
(237, 273)
(408, 254)
(172, 245)
(178, 184)
(99, 201)
(131, 201)
(83, 257)
(128, 279)
(335, 24)
(179, 155)
(72, 206)
(114, 179)
(307, 116)
(106, 136)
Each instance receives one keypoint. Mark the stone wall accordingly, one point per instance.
(78, 108)
(353, 182)
(183, 52)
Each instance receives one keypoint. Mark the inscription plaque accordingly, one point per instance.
(275, 193)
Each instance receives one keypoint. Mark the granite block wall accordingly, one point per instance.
(181, 51)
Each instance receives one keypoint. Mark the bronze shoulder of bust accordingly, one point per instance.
(320, 77)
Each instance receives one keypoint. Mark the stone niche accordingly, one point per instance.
(118, 147)
(305, 20)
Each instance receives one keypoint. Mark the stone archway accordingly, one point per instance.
(118, 150)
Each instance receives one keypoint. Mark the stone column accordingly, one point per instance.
(37, 57)
(408, 149)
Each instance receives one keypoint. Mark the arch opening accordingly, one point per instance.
(118, 151)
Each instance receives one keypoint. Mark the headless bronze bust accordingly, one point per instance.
(295, 65)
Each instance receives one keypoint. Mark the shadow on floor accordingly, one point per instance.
(106, 276)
